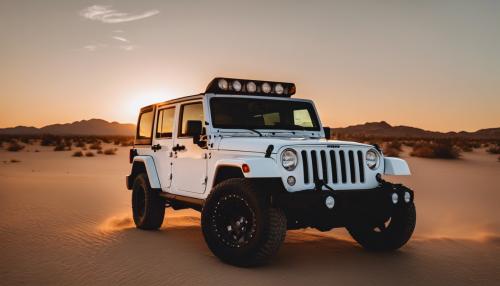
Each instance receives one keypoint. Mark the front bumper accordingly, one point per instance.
(309, 209)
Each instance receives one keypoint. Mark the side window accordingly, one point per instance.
(190, 111)
(145, 127)
(165, 125)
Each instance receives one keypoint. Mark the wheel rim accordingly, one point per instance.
(233, 221)
(139, 202)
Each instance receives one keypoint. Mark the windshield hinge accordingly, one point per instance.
(269, 151)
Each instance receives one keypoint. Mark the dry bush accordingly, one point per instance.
(96, 146)
(89, 154)
(14, 161)
(99, 151)
(392, 149)
(110, 151)
(127, 143)
(49, 140)
(60, 147)
(493, 149)
(78, 154)
(14, 147)
(442, 150)
(80, 144)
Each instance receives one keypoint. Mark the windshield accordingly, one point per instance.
(245, 113)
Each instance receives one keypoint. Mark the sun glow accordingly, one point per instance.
(133, 103)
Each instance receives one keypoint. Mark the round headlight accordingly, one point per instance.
(289, 159)
(236, 85)
(222, 83)
(278, 88)
(372, 158)
(251, 86)
(266, 87)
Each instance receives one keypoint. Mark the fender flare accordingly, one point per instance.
(259, 167)
(396, 167)
(151, 171)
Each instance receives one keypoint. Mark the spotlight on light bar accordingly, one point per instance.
(221, 85)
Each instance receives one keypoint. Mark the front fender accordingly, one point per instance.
(149, 164)
(259, 167)
(396, 166)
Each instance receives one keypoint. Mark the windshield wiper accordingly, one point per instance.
(253, 130)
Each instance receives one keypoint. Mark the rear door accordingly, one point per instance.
(162, 145)
(190, 164)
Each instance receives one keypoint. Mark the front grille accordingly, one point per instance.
(333, 166)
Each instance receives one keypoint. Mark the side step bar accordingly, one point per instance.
(182, 202)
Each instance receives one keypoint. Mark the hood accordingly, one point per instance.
(260, 144)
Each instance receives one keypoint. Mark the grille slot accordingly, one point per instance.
(305, 166)
(361, 167)
(333, 166)
(333, 160)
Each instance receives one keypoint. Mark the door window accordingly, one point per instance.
(190, 111)
(165, 125)
(145, 126)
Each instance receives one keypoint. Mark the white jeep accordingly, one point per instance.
(256, 162)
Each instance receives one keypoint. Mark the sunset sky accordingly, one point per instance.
(429, 64)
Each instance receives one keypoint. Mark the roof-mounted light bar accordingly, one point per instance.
(222, 85)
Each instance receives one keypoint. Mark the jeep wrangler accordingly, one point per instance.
(256, 163)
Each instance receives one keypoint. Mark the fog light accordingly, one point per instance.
(223, 84)
(407, 197)
(251, 86)
(395, 198)
(291, 180)
(278, 88)
(266, 87)
(236, 85)
(330, 202)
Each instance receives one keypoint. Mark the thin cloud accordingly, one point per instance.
(121, 39)
(107, 15)
(127, 48)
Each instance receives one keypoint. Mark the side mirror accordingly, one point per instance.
(328, 132)
(195, 130)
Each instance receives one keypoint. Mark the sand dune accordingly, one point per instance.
(67, 220)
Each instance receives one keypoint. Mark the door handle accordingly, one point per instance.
(178, 148)
(156, 147)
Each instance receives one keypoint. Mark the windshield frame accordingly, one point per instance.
(313, 111)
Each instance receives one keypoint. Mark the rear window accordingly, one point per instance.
(145, 127)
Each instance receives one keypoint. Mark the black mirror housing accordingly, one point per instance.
(328, 132)
(194, 128)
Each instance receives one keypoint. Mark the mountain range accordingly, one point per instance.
(383, 129)
(84, 127)
(380, 129)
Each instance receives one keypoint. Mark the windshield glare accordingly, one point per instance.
(252, 113)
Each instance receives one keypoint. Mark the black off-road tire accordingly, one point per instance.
(148, 208)
(393, 236)
(265, 226)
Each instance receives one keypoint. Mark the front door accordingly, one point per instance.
(190, 165)
(162, 146)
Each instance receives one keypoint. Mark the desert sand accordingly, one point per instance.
(67, 221)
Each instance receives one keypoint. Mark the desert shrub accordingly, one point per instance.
(99, 151)
(14, 161)
(80, 144)
(493, 149)
(15, 147)
(89, 154)
(49, 140)
(96, 146)
(392, 149)
(60, 147)
(36, 150)
(443, 150)
(78, 154)
(110, 151)
(127, 143)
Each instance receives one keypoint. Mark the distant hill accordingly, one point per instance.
(370, 129)
(84, 127)
(383, 129)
